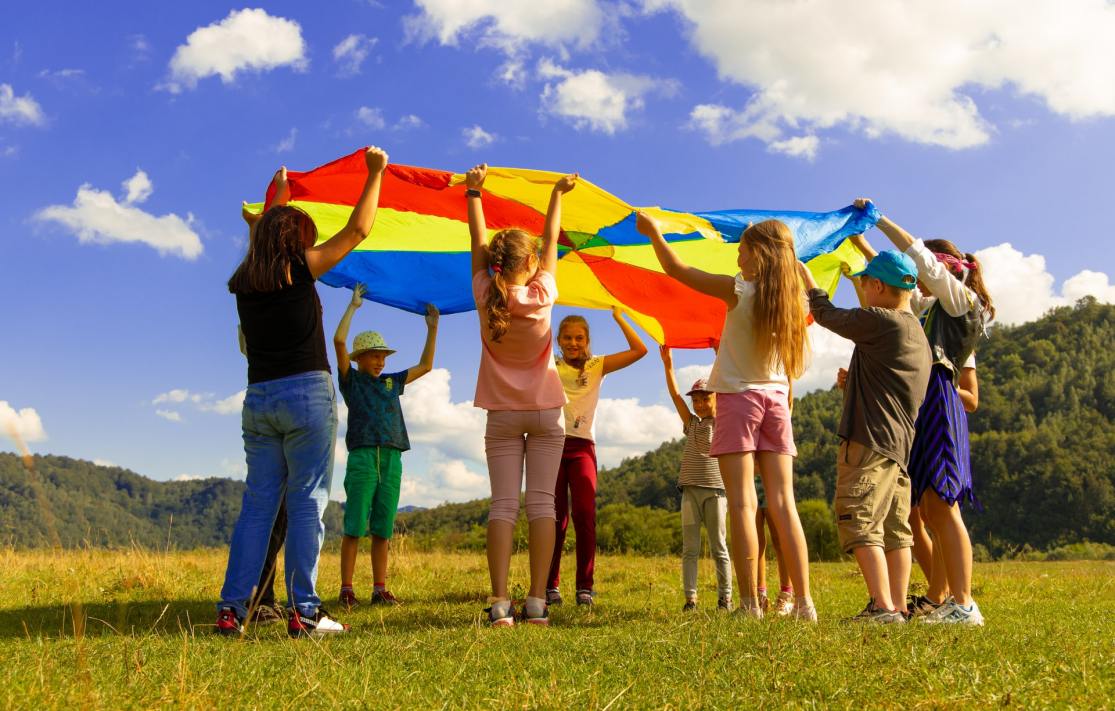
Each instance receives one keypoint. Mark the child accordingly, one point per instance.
(884, 388)
(702, 490)
(955, 311)
(784, 603)
(376, 439)
(518, 385)
(762, 347)
(581, 376)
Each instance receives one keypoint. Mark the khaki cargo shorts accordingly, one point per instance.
(872, 500)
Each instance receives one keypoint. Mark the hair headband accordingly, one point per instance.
(954, 264)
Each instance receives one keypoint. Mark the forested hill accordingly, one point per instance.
(87, 504)
(1043, 452)
(1043, 441)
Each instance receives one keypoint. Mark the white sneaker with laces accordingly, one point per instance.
(784, 605)
(952, 613)
(805, 614)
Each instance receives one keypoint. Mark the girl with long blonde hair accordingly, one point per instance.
(762, 349)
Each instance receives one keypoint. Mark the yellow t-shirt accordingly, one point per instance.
(582, 390)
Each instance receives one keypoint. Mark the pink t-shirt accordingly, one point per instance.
(518, 372)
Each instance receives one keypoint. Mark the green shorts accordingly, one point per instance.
(372, 480)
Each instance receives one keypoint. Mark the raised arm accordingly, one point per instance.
(426, 364)
(672, 387)
(869, 253)
(721, 286)
(477, 228)
(636, 349)
(326, 255)
(552, 229)
(854, 324)
(340, 338)
(900, 237)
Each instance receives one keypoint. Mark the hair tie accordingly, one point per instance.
(497, 269)
(953, 263)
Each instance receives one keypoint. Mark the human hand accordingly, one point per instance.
(432, 316)
(358, 296)
(282, 187)
(645, 224)
(667, 356)
(617, 313)
(376, 159)
(841, 378)
(566, 183)
(474, 178)
(861, 203)
(250, 217)
(846, 269)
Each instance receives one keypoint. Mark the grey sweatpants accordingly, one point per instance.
(701, 505)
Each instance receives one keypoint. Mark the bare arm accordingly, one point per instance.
(552, 228)
(672, 387)
(869, 253)
(477, 228)
(900, 237)
(968, 389)
(721, 286)
(326, 255)
(340, 338)
(426, 364)
(636, 349)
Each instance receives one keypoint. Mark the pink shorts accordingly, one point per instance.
(752, 421)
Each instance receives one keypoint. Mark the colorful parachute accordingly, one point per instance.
(418, 251)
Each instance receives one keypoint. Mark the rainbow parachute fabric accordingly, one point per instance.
(418, 250)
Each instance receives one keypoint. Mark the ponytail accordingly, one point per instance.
(506, 253)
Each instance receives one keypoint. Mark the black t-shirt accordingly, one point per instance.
(283, 329)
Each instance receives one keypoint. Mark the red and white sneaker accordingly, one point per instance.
(318, 626)
(229, 623)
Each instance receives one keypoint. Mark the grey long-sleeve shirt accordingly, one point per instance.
(887, 377)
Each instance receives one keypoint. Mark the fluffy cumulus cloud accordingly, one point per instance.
(370, 117)
(594, 100)
(476, 137)
(350, 53)
(1023, 289)
(626, 428)
(444, 480)
(909, 69)
(96, 216)
(202, 402)
(24, 423)
(455, 430)
(286, 144)
(247, 40)
(19, 110)
(828, 353)
(506, 25)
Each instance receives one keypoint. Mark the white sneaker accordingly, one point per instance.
(805, 614)
(951, 613)
(784, 604)
(318, 626)
(749, 607)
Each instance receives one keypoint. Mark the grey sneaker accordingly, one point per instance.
(689, 606)
(952, 613)
(878, 616)
(586, 597)
(553, 597)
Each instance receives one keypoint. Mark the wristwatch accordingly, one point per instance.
(472, 192)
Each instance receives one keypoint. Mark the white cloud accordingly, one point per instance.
(477, 137)
(105, 463)
(246, 40)
(797, 146)
(444, 480)
(25, 423)
(19, 109)
(172, 415)
(138, 187)
(350, 53)
(625, 428)
(370, 117)
(1023, 290)
(455, 430)
(190, 477)
(97, 217)
(828, 353)
(231, 405)
(286, 145)
(409, 122)
(593, 99)
(913, 70)
(506, 25)
(203, 402)
(689, 374)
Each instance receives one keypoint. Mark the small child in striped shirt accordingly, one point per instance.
(702, 491)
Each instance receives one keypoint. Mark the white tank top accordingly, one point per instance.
(738, 367)
(582, 390)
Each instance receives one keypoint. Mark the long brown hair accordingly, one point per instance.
(279, 240)
(507, 254)
(779, 311)
(974, 278)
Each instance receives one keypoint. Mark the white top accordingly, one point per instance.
(738, 367)
(955, 297)
(582, 390)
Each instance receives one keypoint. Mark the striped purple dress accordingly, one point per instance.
(940, 458)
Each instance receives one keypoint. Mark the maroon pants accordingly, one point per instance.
(576, 490)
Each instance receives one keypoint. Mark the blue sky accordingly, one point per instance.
(989, 129)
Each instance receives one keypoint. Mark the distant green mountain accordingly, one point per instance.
(1043, 442)
(87, 504)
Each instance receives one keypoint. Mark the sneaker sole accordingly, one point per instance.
(539, 621)
(503, 622)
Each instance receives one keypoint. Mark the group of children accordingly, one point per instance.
(902, 467)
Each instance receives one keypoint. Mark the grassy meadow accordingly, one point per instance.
(133, 629)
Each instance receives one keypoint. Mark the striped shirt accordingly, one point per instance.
(697, 467)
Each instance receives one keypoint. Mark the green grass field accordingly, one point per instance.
(141, 636)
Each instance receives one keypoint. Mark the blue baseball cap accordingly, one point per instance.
(892, 267)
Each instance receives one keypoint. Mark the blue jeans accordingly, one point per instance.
(290, 428)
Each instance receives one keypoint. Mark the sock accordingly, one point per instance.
(346, 588)
(536, 606)
(501, 608)
(788, 589)
(379, 587)
(762, 592)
